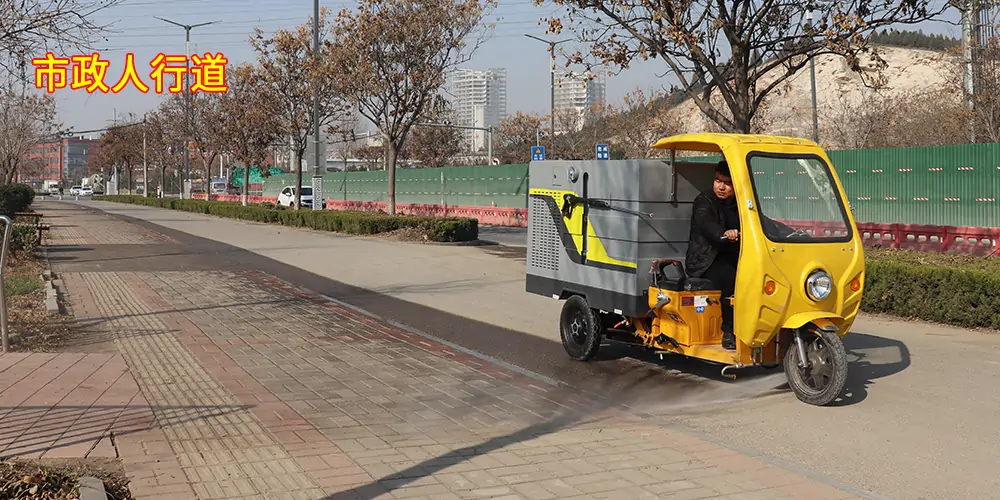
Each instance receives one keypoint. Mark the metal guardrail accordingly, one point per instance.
(4, 334)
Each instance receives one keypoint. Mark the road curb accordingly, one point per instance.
(51, 285)
(91, 488)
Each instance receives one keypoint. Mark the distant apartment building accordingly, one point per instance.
(577, 93)
(63, 160)
(479, 99)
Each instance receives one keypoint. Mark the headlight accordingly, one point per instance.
(819, 284)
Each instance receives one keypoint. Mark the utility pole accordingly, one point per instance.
(970, 11)
(315, 87)
(812, 80)
(187, 96)
(145, 172)
(552, 84)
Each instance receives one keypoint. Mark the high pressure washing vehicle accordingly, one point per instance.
(610, 237)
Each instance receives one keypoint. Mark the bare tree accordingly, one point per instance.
(640, 122)
(287, 63)
(739, 49)
(393, 56)
(38, 26)
(25, 121)
(252, 120)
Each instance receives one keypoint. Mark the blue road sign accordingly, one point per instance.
(538, 153)
(602, 152)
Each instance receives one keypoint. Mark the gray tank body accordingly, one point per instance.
(555, 266)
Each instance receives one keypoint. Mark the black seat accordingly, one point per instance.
(678, 281)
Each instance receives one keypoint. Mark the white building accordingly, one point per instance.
(577, 93)
(479, 99)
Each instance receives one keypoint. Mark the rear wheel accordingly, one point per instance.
(580, 329)
(824, 379)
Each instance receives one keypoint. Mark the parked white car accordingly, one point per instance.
(287, 197)
(86, 191)
(75, 190)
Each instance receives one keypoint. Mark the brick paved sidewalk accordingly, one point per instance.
(314, 400)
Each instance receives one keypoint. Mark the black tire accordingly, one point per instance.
(580, 329)
(824, 380)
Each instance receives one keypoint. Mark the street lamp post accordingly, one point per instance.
(552, 83)
(187, 94)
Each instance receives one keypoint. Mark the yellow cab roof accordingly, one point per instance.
(711, 142)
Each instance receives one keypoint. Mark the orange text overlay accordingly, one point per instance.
(208, 73)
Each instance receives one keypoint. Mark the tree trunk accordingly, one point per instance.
(298, 180)
(246, 185)
(391, 153)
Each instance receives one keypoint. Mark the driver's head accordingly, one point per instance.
(723, 184)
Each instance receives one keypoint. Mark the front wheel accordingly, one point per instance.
(824, 379)
(580, 328)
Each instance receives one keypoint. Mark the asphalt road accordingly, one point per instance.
(917, 421)
(509, 236)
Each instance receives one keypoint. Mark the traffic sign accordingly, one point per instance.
(538, 153)
(602, 152)
(495, 161)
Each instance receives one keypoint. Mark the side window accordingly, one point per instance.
(286, 191)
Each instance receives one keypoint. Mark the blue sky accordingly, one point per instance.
(137, 31)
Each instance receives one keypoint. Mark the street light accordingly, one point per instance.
(552, 81)
(187, 91)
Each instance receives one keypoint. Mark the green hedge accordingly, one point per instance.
(957, 290)
(15, 198)
(350, 222)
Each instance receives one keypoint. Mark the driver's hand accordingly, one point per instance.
(732, 234)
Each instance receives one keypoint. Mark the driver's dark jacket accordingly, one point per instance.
(708, 225)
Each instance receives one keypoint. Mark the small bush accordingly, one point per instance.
(15, 198)
(23, 239)
(350, 222)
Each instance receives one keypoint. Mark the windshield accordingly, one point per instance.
(797, 198)
(306, 191)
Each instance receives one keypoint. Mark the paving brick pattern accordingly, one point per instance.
(262, 390)
(221, 447)
(66, 405)
(71, 226)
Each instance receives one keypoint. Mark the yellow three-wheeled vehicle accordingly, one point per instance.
(612, 239)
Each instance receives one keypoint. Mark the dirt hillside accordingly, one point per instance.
(838, 90)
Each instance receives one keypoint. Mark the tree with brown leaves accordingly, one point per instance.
(434, 147)
(252, 120)
(286, 62)
(121, 147)
(393, 56)
(516, 134)
(740, 50)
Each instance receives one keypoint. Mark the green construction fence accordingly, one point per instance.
(942, 185)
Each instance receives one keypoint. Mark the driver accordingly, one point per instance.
(714, 248)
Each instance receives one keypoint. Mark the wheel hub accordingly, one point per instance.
(819, 374)
(576, 329)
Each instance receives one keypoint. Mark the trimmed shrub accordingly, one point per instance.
(957, 290)
(15, 198)
(350, 222)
